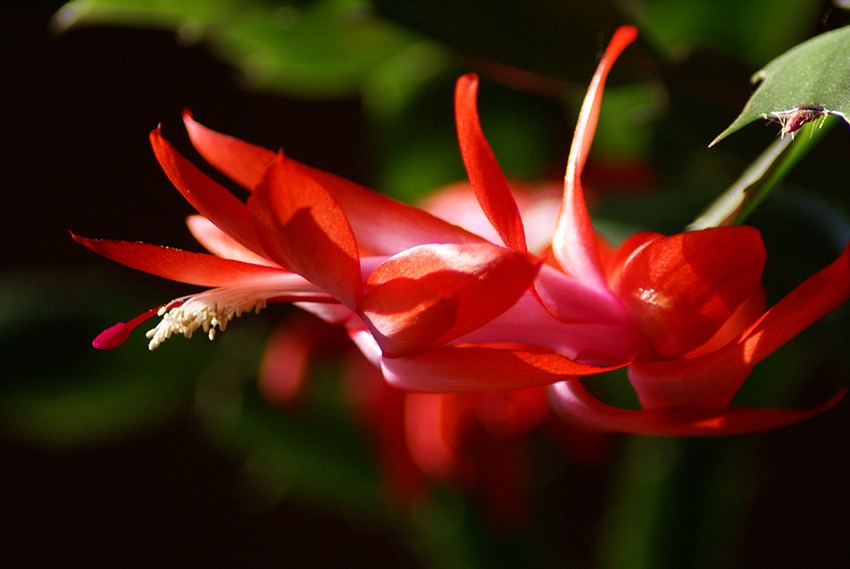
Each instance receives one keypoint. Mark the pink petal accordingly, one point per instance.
(574, 243)
(331, 313)
(303, 227)
(365, 342)
(538, 206)
(210, 199)
(589, 341)
(577, 405)
(220, 243)
(473, 368)
(431, 294)
(240, 161)
(682, 289)
(488, 181)
(178, 265)
(570, 300)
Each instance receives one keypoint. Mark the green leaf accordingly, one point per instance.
(559, 39)
(320, 48)
(757, 181)
(752, 30)
(804, 84)
(311, 452)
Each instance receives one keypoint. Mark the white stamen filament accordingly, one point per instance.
(208, 310)
(214, 308)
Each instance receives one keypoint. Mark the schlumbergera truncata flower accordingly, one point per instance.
(439, 308)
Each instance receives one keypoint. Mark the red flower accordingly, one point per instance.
(440, 308)
(473, 441)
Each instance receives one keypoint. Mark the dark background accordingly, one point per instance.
(75, 112)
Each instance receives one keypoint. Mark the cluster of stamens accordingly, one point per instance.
(186, 317)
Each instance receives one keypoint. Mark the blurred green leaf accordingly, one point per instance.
(321, 48)
(764, 174)
(536, 35)
(57, 390)
(311, 452)
(183, 16)
(755, 30)
(814, 75)
(103, 406)
(624, 130)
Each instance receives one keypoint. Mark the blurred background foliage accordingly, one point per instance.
(364, 89)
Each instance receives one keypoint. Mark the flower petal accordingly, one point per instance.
(474, 368)
(576, 404)
(178, 265)
(303, 227)
(485, 175)
(220, 243)
(242, 162)
(382, 409)
(682, 289)
(706, 382)
(574, 243)
(431, 294)
(433, 427)
(712, 380)
(809, 302)
(570, 300)
(590, 341)
(382, 225)
(210, 199)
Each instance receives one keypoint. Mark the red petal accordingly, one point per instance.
(286, 359)
(574, 244)
(434, 424)
(302, 226)
(488, 181)
(382, 408)
(382, 225)
(432, 294)
(178, 265)
(472, 368)
(240, 161)
(621, 255)
(575, 404)
(813, 299)
(707, 382)
(712, 380)
(682, 289)
(211, 200)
